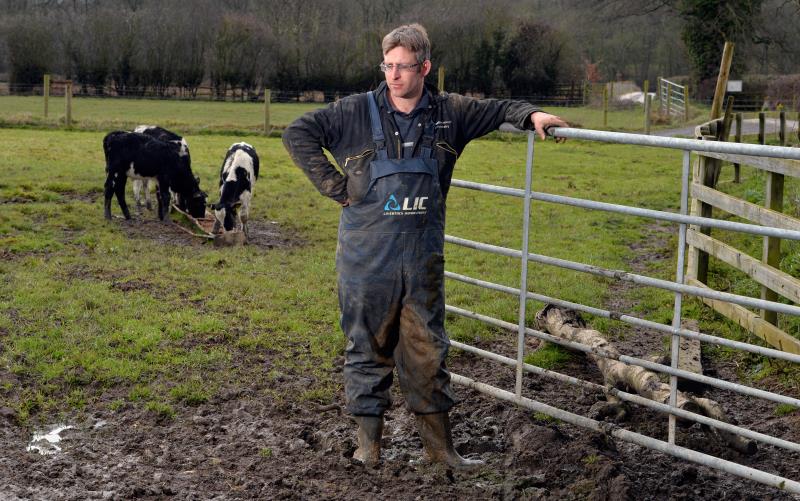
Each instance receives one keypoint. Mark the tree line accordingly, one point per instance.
(494, 47)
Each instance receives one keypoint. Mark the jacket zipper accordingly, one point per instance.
(443, 145)
(360, 155)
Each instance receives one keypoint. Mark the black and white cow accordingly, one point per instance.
(237, 178)
(165, 135)
(138, 156)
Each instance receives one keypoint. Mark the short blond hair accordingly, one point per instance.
(409, 36)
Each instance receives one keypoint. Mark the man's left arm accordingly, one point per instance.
(481, 116)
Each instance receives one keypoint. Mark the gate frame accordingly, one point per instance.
(678, 287)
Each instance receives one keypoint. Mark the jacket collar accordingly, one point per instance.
(435, 96)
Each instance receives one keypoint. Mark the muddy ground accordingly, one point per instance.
(248, 443)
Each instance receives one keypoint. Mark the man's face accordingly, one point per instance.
(405, 84)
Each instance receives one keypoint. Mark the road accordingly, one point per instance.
(749, 126)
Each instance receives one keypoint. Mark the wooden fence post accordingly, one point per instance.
(782, 128)
(762, 137)
(772, 245)
(685, 103)
(697, 260)
(441, 78)
(738, 139)
(648, 102)
(68, 103)
(586, 92)
(658, 89)
(605, 106)
(267, 99)
(669, 104)
(611, 92)
(46, 93)
(722, 80)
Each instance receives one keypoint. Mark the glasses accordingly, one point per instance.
(402, 67)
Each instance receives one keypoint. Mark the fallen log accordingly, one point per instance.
(568, 325)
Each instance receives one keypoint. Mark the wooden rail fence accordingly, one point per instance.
(765, 271)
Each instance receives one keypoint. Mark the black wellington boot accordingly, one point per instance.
(370, 430)
(436, 434)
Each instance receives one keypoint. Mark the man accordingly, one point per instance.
(397, 147)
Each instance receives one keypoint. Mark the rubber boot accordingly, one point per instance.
(370, 430)
(436, 434)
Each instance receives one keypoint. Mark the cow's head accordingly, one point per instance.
(226, 214)
(196, 203)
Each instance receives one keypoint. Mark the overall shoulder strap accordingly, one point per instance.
(428, 138)
(377, 128)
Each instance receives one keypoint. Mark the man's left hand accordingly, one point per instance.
(542, 121)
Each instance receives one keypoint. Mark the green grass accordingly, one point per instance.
(204, 117)
(87, 311)
(186, 117)
(549, 356)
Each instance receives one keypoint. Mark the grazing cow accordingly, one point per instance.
(237, 178)
(138, 156)
(165, 135)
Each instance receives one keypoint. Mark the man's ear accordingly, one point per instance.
(426, 67)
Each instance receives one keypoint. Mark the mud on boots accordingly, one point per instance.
(437, 438)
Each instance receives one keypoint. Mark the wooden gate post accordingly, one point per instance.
(722, 80)
(762, 136)
(686, 103)
(648, 103)
(441, 78)
(605, 106)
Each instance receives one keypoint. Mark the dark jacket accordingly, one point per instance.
(343, 128)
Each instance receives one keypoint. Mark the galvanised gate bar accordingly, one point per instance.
(678, 287)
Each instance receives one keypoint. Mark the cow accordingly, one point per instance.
(237, 178)
(183, 152)
(139, 156)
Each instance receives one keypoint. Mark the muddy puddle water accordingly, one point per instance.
(46, 442)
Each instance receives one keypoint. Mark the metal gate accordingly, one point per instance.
(677, 286)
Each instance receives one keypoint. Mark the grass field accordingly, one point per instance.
(88, 307)
(199, 117)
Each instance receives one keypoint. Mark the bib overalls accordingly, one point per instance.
(390, 260)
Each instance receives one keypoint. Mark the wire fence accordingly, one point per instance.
(564, 95)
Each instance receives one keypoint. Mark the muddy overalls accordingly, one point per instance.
(390, 259)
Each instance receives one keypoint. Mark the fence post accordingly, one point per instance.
(648, 102)
(658, 89)
(267, 99)
(722, 80)
(441, 78)
(697, 260)
(611, 91)
(772, 245)
(46, 92)
(669, 103)
(782, 128)
(762, 137)
(605, 106)
(686, 103)
(68, 103)
(738, 139)
(586, 92)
